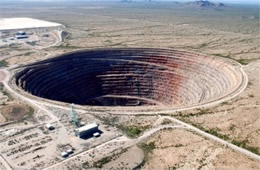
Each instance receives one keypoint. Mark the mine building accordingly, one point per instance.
(69, 151)
(21, 33)
(96, 134)
(87, 130)
(21, 36)
(49, 126)
(64, 154)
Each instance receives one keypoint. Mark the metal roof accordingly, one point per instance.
(87, 127)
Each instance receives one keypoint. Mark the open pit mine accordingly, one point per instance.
(132, 77)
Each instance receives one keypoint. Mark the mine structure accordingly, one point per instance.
(74, 119)
(87, 130)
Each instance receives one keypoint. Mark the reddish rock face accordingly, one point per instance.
(130, 77)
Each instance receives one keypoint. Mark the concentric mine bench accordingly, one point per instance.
(130, 77)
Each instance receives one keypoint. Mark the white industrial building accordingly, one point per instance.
(87, 130)
(64, 154)
(49, 126)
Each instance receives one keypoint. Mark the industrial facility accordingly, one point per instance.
(87, 130)
(21, 35)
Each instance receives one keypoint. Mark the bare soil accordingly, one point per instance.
(127, 160)
(238, 118)
(180, 149)
(14, 111)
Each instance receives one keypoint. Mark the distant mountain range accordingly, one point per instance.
(205, 5)
(201, 4)
(134, 0)
(198, 4)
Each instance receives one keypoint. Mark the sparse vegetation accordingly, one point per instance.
(32, 43)
(132, 131)
(243, 61)
(68, 46)
(103, 161)
(199, 113)
(176, 166)
(100, 163)
(224, 56)
(147, 148)
(28, 53)
(166, 121)
(232, 127)
(250, 83)
(3, 63)
(7, 94)
(109, 120)
(30, 112)
(2, 89)
(178, 145)
(202, 45)
(85, 165)
(243, 144)
(204, 111)
(251, 96)
(215, 132)
(225, 103)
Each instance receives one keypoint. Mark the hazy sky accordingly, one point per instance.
(224, 1)
(232, 1)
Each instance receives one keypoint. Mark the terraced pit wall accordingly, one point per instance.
(131, 77)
